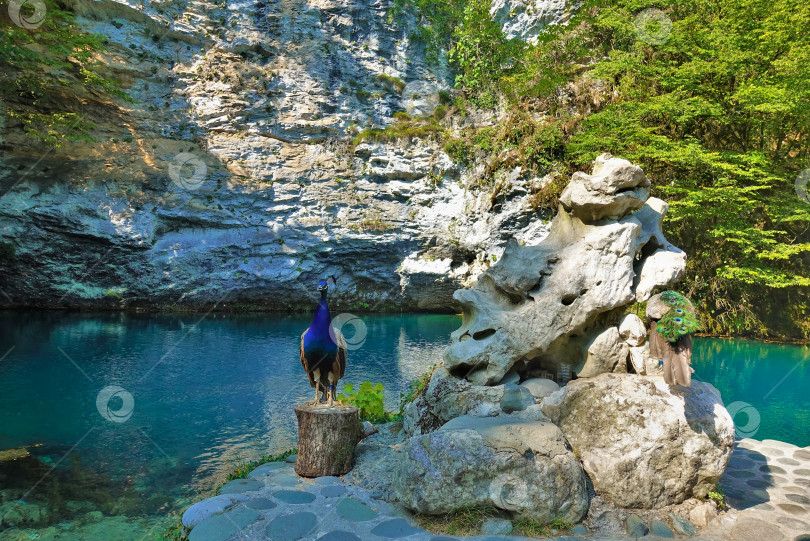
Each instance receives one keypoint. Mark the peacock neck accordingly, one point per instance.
(322, 319)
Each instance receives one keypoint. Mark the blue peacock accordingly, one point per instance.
(323, 350)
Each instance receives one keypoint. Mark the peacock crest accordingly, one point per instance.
(681, 318)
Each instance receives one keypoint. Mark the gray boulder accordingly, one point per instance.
(540, 387)
(643, 443)
(606, 353)
(448, 397)
(517, 465)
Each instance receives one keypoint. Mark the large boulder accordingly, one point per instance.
(643, 443)
(539, 307)
(519, 465)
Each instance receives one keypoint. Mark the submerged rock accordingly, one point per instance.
(517, 465)
(643, 443)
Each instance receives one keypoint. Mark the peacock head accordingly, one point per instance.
(323, 286)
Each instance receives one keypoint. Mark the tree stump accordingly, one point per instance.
(327, 437)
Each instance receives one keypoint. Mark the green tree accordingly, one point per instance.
(42, 66)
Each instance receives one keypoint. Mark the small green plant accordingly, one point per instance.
(718, 497)
(401, 116)
(368, 399)
(389, 81)
(175, 532)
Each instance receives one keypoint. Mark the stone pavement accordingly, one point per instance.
(767, 485)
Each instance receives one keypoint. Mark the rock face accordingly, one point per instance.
(522, 466)
(233, 180)
(524, 19)
(548, 305)
(642, 443)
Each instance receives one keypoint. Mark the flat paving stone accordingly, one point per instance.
(788, 461)
(339, 536)
(768, 468)
(801, 454)
(796, 498)
(333, 491)
(354, 511)
(792, 509)
(221, 527)
(793, 523)
(742, 474)
(210, 507)
(394, 529)
(758, 483)
(240, 486)
(266, 469)
(261, 504)
(443, 538)
(327, 480)
(295, 497)
(291, 527)
(287, 480)
(802, 471)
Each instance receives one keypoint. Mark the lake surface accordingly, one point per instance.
(136, 415)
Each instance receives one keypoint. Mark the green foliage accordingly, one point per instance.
(415, 388)
(37, 67)
(394, 83)
(405, 129)
(243, 469)
(175, 532)
(718, 114)
(718, 497)
(368, 399)
(480, 50)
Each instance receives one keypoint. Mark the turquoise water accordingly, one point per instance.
(773, 379)
(190, 397)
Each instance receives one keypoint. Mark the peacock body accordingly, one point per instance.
(680, 319)
(323, 350)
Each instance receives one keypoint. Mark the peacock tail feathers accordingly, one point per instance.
(681, 318)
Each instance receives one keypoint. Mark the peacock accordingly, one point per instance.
(323, 350)
(680, 319)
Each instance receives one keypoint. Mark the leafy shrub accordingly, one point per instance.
(368, 399)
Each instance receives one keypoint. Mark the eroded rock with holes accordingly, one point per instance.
(519, 465)
(544, 305)
(643, 443)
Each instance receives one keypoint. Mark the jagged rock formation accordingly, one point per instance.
(546, 306)
(263, 98)
(643, 443)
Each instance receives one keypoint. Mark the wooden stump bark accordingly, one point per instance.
(327, 437)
